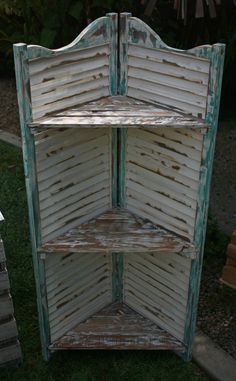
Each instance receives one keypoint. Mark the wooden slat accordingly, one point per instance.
(50, 200)
(2, 252)
(69, 89)
(162, 185)
(153, 295)
(184, 60)
(10, 354)
(177, 148)
(171, 206)
(8, 331)
(79, 217)
(159, 151)
(9, 346)
(157, 289)
(152, 96)
(6, 306)
(74, 178)
(80, 314)
(79, 285)
(99, 190)
(69, 285)
(156, 164)
(63, 166)
(67, 79)
(70, 209)
(43, 64)
(163, 266)
(157, 217)
(93, 91)
(174, 95)
(166, 76)
(154, 314)
(162, 79)
(64, 263)
(82, 294)
(162, 174)
(59, 144)
(170, 70)
(4, 280)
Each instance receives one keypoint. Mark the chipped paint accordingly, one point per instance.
(154, 159)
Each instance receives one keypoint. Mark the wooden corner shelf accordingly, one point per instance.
(120, 111)
(118, 231)
(117, 326)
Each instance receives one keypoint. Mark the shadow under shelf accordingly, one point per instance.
(119, 231)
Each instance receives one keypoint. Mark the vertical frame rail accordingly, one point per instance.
(113, 19)
(25, 112)
(117, 258)
(216, 54)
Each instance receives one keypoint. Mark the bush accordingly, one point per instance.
(55, 23)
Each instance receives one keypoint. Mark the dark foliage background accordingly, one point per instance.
(55, 23)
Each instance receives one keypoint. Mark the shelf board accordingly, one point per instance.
(119, 111)
(117, 326)
(119, 231)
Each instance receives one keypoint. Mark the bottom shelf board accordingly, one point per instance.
(117, 326)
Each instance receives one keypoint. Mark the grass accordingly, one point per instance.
(66, 366)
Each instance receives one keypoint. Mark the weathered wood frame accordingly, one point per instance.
(141, 35)
(22, 55)
(145, 36)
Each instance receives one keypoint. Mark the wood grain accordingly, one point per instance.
(74, 177)
(162, 173)
(117, 326)
(118, 230)
(77, 286)
(119, 111)
(156, 286)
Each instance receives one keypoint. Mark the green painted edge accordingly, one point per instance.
(122, 88)
(142, 35)
(113, 20)
(118, 258)
(215, 82)
(122, 167)
(123, 52)
(117, 277)
(24, 102)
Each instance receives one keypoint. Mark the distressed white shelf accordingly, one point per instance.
(118, 112)
(124, 329)
(119, 230)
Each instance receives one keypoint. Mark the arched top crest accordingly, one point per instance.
(140, 33)
(96, 33)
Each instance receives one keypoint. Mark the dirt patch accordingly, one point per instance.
(217, 306)
(9, 119)
(223, 189)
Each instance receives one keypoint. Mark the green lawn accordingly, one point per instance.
(73, 366)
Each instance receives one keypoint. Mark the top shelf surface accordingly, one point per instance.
(117, 112)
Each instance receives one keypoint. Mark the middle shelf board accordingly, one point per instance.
(119, 231)
(120, 111)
